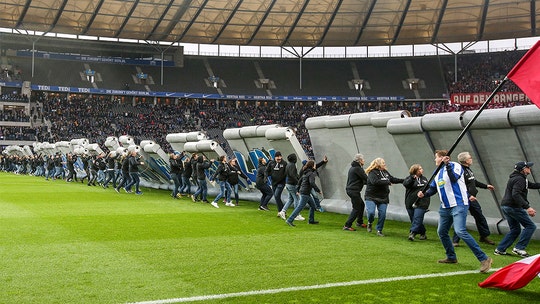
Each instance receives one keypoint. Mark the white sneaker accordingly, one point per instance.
(229, 204)
(520, 252)
(299, 218)
(282, 215)
(214, 204)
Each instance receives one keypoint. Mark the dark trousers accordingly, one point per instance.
(278, 190)
(358, 206)
(481, 223)
(266, 194)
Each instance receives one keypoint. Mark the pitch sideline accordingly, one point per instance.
(299, 288)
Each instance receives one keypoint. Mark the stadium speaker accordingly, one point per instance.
(179, 57)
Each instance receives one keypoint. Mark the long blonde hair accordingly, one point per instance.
(377, 163)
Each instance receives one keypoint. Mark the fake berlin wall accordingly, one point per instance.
(497, 140)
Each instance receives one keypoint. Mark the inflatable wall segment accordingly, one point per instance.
(284, 139)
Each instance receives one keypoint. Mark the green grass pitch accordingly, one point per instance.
(69, 243)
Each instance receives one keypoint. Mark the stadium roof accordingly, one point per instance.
(278, 22)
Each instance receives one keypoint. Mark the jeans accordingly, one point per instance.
(304, 199)
(357, 212)
(186, 185)
(293, 197)
(176, 181)
(266, 194)
(278, 189)
(202, 190)
(416, 215)
(481, 223)
(515, 217)
(135, 180)
(234, 189)
(381, 208)
(125, 180)
(316, 199)
(458, 216)
(110, 177)
(224, 190)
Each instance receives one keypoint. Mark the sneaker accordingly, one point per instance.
(485, 265)
(447, 261)
(369, 227)
(282, 215)
(206, 201)
(320, 209)
(361, 225)
(214, 204)
(299, 218)
(138, 193)
(379, 233)
(264, 208)
(522, 253)
(193, 198)
(179, 195)
(498, 252)
(313, 222)
(487, 240)
(290, 224)
(348, 228)
(117, 190)
(229, 204)
(422, 237)
(411, 236)
(455, 244)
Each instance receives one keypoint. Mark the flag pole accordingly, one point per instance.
(463, 132)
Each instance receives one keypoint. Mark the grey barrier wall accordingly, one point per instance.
(340, 138)
(498, 139)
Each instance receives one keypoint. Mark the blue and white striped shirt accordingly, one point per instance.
(451, 193)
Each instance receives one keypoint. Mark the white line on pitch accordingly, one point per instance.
(298, 288)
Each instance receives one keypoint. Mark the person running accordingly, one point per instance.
(261, 183)
(222, 175)
(416, 207)
(305, 185)
(449, 182)
(356, 179)
(518, 211)
(377, 193)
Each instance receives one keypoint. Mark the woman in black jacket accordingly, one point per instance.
(377, 191)
(413, 183)
(305, 184)
(356, 179)
(234, 179)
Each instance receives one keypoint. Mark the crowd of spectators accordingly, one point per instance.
(478, 73)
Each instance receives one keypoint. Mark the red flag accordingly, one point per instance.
(515, 275)
(526, 74)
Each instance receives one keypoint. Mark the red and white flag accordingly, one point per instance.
(526, 74)
(515, 275)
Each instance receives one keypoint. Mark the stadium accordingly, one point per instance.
(244, 80)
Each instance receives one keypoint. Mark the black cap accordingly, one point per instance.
(277, 154)
(522, 165)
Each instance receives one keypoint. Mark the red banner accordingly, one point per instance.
(479, 98)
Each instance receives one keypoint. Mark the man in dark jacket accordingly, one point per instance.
(202, 190)
(465, 159)
(177, 167)
(356, 179)
(291, 185)
(261, 183)
(275, 169)
(517, 210)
